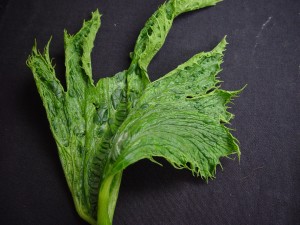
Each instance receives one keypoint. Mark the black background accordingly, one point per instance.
(264, 39)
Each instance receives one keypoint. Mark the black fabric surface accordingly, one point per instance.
(264, 47)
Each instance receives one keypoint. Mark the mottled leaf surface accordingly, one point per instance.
(181, 118)
(102, 128)
(85, 117)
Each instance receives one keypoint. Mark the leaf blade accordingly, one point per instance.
(158, 120)
(152, 38)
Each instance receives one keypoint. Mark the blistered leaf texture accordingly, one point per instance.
(180, 117)
(102, 128)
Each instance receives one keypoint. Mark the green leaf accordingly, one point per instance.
(84, 118)
(101, 129)
(180, 117)
(152, 38)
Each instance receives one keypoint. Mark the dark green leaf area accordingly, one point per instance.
(103, 117)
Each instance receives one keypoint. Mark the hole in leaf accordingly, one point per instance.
(210, 90)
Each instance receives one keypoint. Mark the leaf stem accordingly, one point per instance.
(107, 199)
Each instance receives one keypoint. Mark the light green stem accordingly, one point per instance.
(107, 199)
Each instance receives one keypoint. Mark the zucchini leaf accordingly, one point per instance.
(180, 117)
(151, 39)
(102, 128)
(84, 118)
